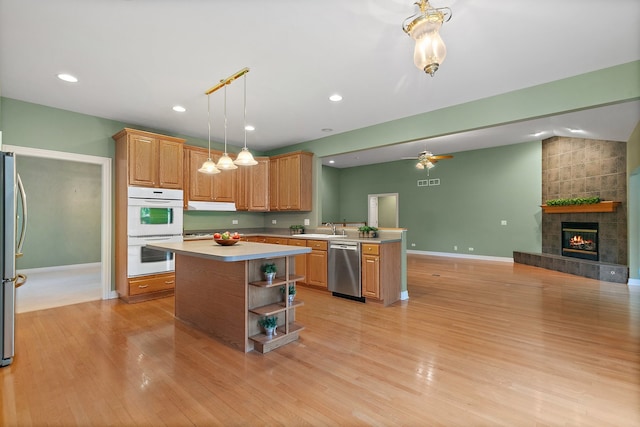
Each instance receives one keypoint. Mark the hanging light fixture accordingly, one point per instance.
(423, 27)
(225, 163)
(209, 166)
(244, 156)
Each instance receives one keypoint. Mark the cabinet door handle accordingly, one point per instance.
(142, 286)
(169, 282)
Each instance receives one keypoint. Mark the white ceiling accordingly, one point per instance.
(137, 58)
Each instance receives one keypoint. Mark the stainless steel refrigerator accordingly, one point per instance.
(11, 247)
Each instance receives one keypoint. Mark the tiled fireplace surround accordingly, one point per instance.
(573, 167)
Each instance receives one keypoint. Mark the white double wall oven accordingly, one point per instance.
(153, 215)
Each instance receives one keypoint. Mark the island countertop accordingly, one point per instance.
(241, 251)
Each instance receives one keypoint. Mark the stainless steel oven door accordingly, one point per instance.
(144, 261)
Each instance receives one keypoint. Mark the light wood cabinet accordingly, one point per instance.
(266, 299)
(143, 159)
(290, 181)
(202, 187)
(370, 271)
(300, 260)
(152, 285)
(381, 275)
(152, 160)
(317, 263)
(252, 186)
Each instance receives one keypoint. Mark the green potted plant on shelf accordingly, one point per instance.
(269, 323)
(296, 229)
(269, 270)
(292, 292)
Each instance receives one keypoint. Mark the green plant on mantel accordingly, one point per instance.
(574, 201)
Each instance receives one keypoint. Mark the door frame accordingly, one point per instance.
(372, 208)
(105, 164)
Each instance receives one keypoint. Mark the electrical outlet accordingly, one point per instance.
(413, 245)
(306, 221)
(273, 221)
(503, 222)
(470, 249)
(234, 221)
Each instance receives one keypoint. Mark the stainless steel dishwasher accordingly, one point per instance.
(344, 270)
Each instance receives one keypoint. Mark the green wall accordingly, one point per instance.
(478, 189)
(330, 194)
(633, 200)
(64, 212)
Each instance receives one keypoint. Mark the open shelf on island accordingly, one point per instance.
(278, 281)
(271, 309)
(264, 344)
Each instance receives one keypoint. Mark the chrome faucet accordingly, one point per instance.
(333, 227)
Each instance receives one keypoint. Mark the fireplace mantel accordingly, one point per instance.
(606, 206)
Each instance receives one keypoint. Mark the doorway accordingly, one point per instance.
(105, 201)
(383, 210)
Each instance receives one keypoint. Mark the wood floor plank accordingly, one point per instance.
(478, 343)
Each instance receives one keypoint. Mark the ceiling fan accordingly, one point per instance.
(426, 159)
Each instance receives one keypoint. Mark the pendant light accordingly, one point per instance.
(244, 156)
(424, 27)
(225, 162)
(209, 167)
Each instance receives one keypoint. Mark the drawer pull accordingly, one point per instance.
(169, 282)
(142, 286)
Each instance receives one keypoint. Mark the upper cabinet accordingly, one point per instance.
(202, 187)
(252, 186)
(152, 160)
(290, 178)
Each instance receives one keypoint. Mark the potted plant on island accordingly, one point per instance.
(269, 323)
(292, 292)
(269, 270)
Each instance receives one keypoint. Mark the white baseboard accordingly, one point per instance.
(113, 295)
(404, 295)
(456, 255)
(634, 282)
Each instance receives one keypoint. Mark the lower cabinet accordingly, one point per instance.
(317, 263)
(150, 287)
(300, 260)
(371, 271)
(381, 272)
(267, 299)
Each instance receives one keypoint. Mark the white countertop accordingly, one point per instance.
(241, 251)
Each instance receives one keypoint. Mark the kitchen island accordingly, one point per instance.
(220, 290)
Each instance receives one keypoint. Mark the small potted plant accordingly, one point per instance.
(269, 270)
(269, 323)
(373, 231)
(296, 229)
(292, 292)
(364, 230)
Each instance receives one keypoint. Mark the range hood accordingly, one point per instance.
(211, 206)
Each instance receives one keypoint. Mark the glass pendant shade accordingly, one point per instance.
(225, 163)
(430, 50)
(209, 167)
(245, 158)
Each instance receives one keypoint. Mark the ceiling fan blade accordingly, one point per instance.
(448, 156)
(408, 158)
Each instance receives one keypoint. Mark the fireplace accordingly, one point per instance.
(580, 240)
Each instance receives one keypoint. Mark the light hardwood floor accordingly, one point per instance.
(478, 344)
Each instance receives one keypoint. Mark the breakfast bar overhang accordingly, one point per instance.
(220, 290)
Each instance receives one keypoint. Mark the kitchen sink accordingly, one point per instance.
(318, 236)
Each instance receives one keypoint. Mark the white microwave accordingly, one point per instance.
(154, 212)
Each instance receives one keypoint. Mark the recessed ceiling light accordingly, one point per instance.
(575, 130)
(68, 78)
(332, 161)
(179, 108)
(249, 128)
(327, 130)
(538, 133)
(335, 97)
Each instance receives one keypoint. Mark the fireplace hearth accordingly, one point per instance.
(580, 240)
